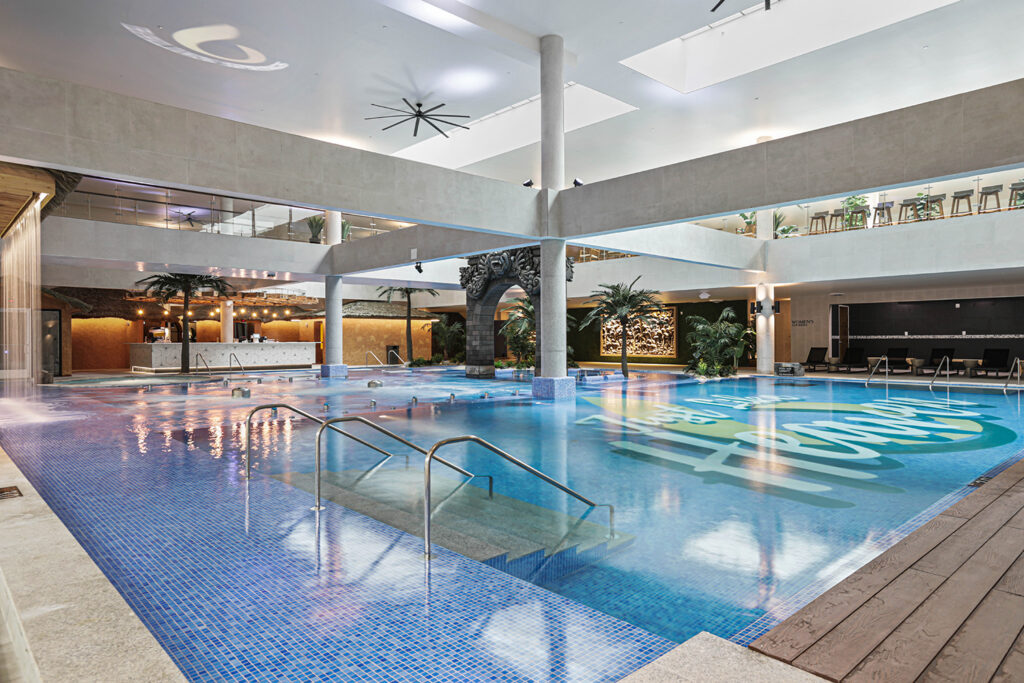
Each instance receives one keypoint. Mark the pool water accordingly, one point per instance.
(741, 501)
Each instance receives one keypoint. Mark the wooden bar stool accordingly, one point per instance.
(908, 211)
(934, 202)
(883, 214)
(992, 191)
(1016, 200)
(864, 213)
(818, 225)
(835, 221)
(959, 198)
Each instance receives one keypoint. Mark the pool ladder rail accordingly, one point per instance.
(945, 361)
(430, 456)
(234, 359)
(1017, 366)
(366, 359)
(199, 357)
(330, 424)
(875, 369)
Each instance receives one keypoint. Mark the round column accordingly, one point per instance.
(227, 322)
(334, 227)
(552, 112)
(764, 326)
(334, 358)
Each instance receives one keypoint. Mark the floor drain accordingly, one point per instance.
(980, 481)
(9, 492)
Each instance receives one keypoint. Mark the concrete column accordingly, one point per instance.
(552, 112)
(766, 224)
(553, 382)
(334, 363)
(227, 321)
(334, 227)
(225, 216)
(764, 326)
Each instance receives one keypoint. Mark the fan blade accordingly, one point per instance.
(401, 111)
(416, 128)
(387, 116)
(435, 127)
(427, 111)
(718, 5)
(411, 108)
(396, 123)
(450, 123)
(450, 116)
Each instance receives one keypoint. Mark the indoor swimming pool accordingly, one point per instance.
(735, 503)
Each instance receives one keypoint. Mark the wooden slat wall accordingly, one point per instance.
(18, 185)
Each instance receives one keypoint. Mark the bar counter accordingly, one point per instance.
(167, 356)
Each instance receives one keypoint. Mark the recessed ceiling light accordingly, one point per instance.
(704, 295)
(466, 81)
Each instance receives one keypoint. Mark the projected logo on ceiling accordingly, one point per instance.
(190, 41)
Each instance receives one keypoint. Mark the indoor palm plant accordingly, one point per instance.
(520, 331)
(717, 346)
(168, 285)
(625, 304)
(448, 332)
(316, 228)
(406, 292)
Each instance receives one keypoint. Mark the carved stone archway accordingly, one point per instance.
(486, 279)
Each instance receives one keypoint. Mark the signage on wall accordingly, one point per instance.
(802, 323)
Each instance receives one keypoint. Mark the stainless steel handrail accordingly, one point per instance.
(875, 369)
(1018, 364)
(357, 418)
(199, 357)
(947, 361)
(366, 356)
(268, 406)
(233, 357)
(395, 353)
(432, 455)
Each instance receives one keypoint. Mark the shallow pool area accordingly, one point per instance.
(735, 503)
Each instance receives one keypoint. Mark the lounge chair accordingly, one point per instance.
(898, 359)
(816, 359)
(852, 360)
(995, 361)
(935, 359)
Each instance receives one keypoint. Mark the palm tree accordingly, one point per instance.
(448, 332)
(626, 305)
(521, 327)
(717, 346)
(406, 292)
(169, 285)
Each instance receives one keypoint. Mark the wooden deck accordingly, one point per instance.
(944, 604)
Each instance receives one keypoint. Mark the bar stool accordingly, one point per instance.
(835, 221)
(1016, 200)
(987, 193)
(883, 214)
(865, 215)
(935, 202)
(960, 197)
(818, 226)
(909, 211)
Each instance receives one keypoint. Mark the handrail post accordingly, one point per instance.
(426, 501)
(948, 362)
(1017, 362)
(875, 369)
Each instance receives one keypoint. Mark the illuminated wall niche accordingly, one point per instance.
(656, 339)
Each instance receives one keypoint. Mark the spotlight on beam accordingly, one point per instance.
(419, 267)
(576, 182)
(528, 183)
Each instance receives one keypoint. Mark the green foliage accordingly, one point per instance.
(316, 226)
(625, 304)
(169, 285)
(449, 333)
(717, 346)
(460, 357)
(520, 331)
(749, 222)
(782, 231)
(418, 362)
(849, 204)
(437, 359)
(499, 364)
(346, 230)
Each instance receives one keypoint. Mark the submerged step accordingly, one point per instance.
(518, 537)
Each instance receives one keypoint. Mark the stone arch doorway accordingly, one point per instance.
(486, 279)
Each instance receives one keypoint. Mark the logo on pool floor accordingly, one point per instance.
(803, 460)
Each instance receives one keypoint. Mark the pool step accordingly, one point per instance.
(520, 538)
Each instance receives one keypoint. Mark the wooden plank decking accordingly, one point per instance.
(944, 604)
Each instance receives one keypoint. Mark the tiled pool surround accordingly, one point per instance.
(151, 485)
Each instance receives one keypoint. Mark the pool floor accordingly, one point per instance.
(239, 580)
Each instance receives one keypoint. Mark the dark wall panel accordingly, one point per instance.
(967, 325)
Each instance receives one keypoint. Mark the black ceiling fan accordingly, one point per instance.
(185, 217)
(418, 113)
(767, 4)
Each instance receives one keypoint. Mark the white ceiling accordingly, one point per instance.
(343, 55)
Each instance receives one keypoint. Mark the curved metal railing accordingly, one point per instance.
(362, 420)
(366, 358)
(392, 352)
(875, 369)
(234, 358)
(199, 357)
(947, 361)
(1018, 365)
(432, 455)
